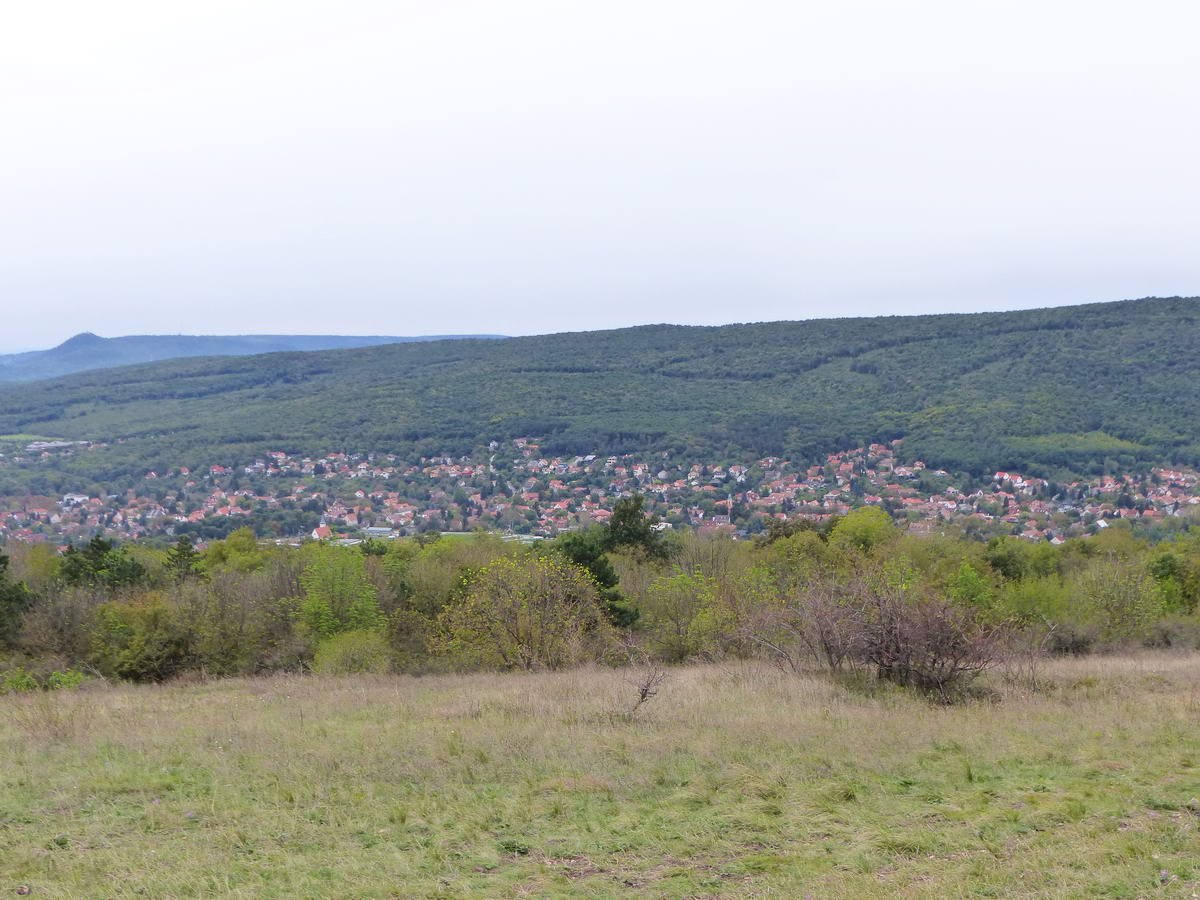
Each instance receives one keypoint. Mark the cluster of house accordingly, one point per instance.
(515, 488)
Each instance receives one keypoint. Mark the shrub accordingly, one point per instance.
(669, 612)
(531, 612)
(1036, 600)
(881, 622)
(926, 642)
(15, 601)
(359, 652)
(409, 634)
(141, 640)
(1071, 640)
(338, 595)
(67, 680)
(1120, 598)
(1174, 632)
(821, 621)
(20, 680)
(863, 529)
(227, 624)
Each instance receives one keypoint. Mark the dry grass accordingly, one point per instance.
(734, 781)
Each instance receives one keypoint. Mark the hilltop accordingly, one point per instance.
(88, 351)
(1050, 389)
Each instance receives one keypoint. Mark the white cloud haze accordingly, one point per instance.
(540, 165)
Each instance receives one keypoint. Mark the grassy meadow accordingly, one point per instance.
(734, 781)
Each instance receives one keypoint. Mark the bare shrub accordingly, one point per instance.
(645, 675)
(822, 620)
(1023, 655)
(873, 623)
(60, 623)
(926, 642)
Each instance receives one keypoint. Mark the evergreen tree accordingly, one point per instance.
(630, 528)
(100, 562)
(183, 560)
(586, 549)
(15, 599)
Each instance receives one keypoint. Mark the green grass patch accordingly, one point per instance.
(738, 781)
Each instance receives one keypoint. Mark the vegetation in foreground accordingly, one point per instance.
(836, 709)
(850, 594)
(735, 780)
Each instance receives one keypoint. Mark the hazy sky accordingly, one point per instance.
(520, 166)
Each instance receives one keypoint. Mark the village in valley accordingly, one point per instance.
(514, 488)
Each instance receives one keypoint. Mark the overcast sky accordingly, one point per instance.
(517, 166)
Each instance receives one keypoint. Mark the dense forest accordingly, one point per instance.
(1041, 391)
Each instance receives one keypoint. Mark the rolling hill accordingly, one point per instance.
(1066, 388)
(88, 351)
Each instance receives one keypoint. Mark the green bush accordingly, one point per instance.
(526, 613)
(141, 640)
(338, 594)
(20, 680)
(67, 680)
(863, 529)
(360, 652)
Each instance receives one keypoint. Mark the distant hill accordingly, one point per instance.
(87, 351)
(1048, 389)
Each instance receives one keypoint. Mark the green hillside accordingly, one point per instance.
(1058, 388)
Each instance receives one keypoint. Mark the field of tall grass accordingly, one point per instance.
(1079, 780)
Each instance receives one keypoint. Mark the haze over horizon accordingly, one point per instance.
(402, 169)
(77, 335)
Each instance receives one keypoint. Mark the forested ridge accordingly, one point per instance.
(86, 352)
(1051, 389)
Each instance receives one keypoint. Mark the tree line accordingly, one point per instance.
(849, 595)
